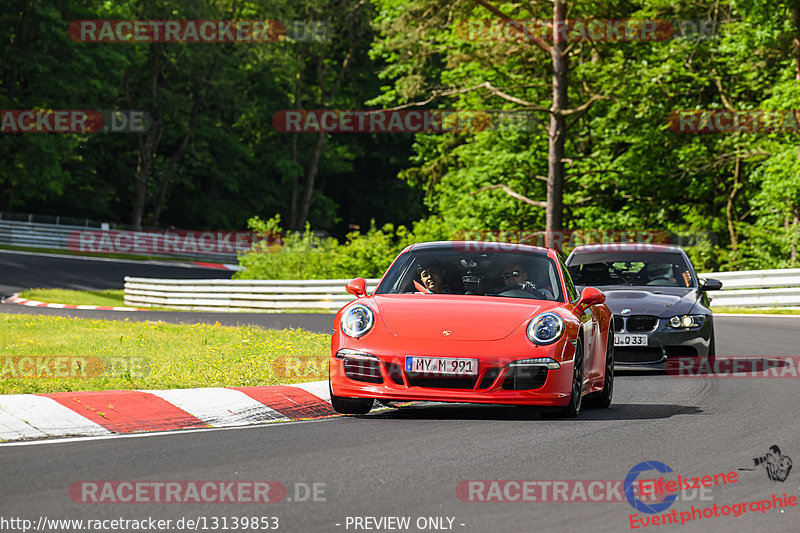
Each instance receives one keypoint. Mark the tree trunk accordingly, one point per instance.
(298, 104)
(295, 187)
(7, 198)
(796, 40)
(729, 208)
(796, 46)
(148, 141)
(308, 184)
(147, 147)
(556, 134)
(795, 229)
(173, 162)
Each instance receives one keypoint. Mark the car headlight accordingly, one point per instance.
(546, 362)
(546, 328)
(357, 320)
(686, 321)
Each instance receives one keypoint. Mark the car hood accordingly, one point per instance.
(658, 301)
(467, 318)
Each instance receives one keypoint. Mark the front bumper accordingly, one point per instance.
(498, 381)
(663, 343)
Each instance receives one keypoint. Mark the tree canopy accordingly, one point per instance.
(597, 146)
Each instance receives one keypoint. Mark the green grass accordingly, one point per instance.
(756, 311)
(113, 298)
(114, 355)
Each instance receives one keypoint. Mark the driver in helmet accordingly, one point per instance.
(661, 274)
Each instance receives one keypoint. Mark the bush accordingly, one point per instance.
(307, 256)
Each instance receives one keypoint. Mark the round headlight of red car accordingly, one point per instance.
(546, 328)
(357, 320)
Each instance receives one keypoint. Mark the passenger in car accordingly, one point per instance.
(432, 277)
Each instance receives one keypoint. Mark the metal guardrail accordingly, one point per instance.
(757, 288)
(239, 294)
(200, 246)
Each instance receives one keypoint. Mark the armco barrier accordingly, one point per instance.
(239, 294)
(755, 288)
(219, 246)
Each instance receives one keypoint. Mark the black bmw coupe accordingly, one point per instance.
(661, 309)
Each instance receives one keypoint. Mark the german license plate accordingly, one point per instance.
(630, 340)
(448, 366)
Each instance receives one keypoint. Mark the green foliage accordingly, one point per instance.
(212, 171)
(626, 170)
(305, 255)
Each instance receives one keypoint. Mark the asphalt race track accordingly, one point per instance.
(23, 270)
(408, 462)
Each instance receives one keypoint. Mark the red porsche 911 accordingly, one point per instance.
(477, 322)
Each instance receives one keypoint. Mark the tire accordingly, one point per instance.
(712, 350)
(350, 406)
(573, 408)
(603, 398)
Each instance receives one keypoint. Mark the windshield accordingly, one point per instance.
(631, 269)
(495, 274)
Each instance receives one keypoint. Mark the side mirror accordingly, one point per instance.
(590, 296)
(357, 287)
(711, 284)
